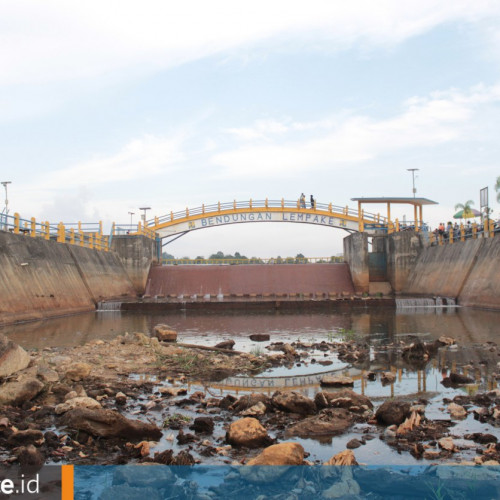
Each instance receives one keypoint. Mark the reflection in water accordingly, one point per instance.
(467, 326)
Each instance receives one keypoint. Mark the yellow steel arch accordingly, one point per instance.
(238, 212)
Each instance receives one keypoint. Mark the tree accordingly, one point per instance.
(466, 207)
(497, 189)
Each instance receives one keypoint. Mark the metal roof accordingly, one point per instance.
(411, 201)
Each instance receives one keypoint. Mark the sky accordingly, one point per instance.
(109, 106)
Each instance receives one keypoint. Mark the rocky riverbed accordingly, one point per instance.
(142, 399)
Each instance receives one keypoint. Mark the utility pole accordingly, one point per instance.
(413, 170)
(131, 213)
(6, 209)
(144, 214)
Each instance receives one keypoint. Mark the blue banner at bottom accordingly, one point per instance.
(204, 482)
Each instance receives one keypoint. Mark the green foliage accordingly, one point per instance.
(176, 418)
(497, 189)
(466, 207)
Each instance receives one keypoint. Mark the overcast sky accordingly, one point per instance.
(107, 106)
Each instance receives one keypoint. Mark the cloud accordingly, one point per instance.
(423, 122)
(59, 41)
(141, 157)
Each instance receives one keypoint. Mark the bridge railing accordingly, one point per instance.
(88, 235)
(254, 260)
(263, 204)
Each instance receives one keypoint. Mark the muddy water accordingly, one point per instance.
(472, 329)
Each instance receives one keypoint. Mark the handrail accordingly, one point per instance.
(88, 234)
(261, 205)
(254, 260)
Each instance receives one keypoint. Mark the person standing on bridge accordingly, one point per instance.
(313, 203)
(302, 200)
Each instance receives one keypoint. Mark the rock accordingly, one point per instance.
(353, 444)
(78, 402)
(348, 488)
(256, 410)
(457, 379)
(249, 400)
(431, 454)
(345, 457)
(120, 398)
(247, 432)
(481, 438)
(443, 340)
(447, 444)
(457, 411)
(47, 375)
(336, 381)
(22, 438)
(416, 351)
(19, 391)
(293, 402)
(330, 422)
(13, 357)
(203, 425)
(387, 378)
(280, 454)
(29, 456)
(164, 333)
(109, 423)
(226, 344)
(345, 398)
(289, 350)
(393, 412)
(260, 337)
(78, 371)
(172, 391)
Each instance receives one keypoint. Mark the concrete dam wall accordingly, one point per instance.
(41, 278)
(469, 271)
(249, 279)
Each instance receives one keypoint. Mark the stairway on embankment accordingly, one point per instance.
(252, 279)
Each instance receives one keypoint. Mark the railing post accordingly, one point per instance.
(33, 227)
(156, 220)
(81, 238)
(282, 202)
(267, 203)
(218, 206)
(462, 232)
(187, 213)
(203, 208)
(171, 215)
(474, 230)
(72, 236)
(330, 208)
(298, 203)
(91, 240)
(450, 235)
(61, 233)
(100, 227)
(346, 210)
(250, 202)
(234, 204)
(17, 219)
(47, 230)
(79, 225)
(397, 225)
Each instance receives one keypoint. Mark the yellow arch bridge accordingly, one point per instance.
(177, 224)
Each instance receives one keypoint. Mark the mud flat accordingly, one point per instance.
(136, 399)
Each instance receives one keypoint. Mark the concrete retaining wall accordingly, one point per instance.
(40, 279)
(356, 257)
(137, 254)
(468, 271)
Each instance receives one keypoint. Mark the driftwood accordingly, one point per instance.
(208, 348)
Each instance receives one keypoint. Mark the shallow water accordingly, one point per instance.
(472, 329)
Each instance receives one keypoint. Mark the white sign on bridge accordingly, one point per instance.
(242, 217)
